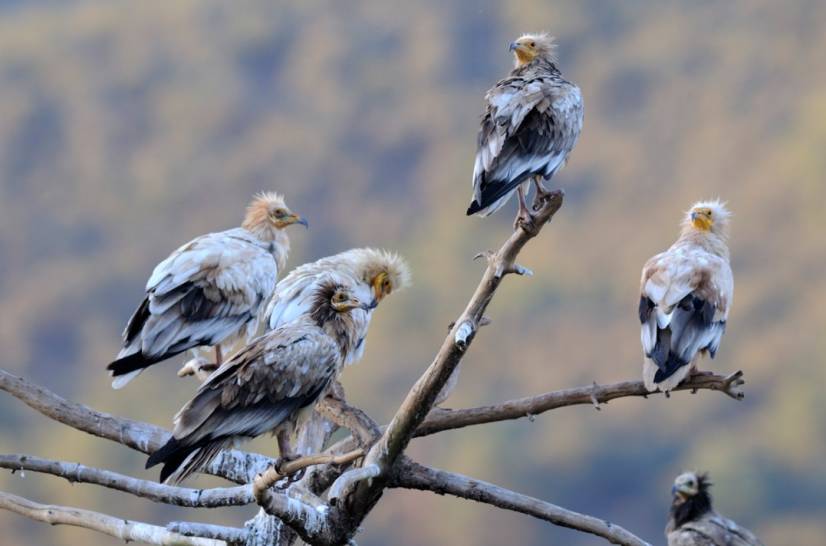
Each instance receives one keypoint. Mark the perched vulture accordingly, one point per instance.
(379, 272)
(693, 522)
(266, 386)
(686, 294)
(209, 292)
(531, 123)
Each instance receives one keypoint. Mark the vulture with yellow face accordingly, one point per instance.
(686, 295)
(531, 123)
(209, 292)
(378, 272)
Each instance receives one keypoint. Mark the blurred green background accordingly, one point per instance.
(126, 128)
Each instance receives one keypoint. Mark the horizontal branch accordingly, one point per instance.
(412, 475)
(116, 527)
(168, 494)
(440, 419)
(233, 465)
(230, 535)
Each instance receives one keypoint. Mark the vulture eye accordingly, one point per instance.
(533, 44)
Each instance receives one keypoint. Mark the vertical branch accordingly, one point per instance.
(421, 397)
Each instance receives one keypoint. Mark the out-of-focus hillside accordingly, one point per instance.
(126, 128)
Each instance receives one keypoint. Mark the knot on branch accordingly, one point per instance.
(464, 332)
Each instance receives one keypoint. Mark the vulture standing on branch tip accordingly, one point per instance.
(372, 273)
(209, 292)
(266, 386)
(686, 294)
(693, 522)
(531, 123)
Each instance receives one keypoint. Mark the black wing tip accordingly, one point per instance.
(129, 363)
(670, 367)
(646, 305)
(162, 453)
(473, 208)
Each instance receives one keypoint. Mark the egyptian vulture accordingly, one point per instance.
(378, 271)
(269, 386)
(209, 292)
(531, 123)
(693, 522)
(686, 295)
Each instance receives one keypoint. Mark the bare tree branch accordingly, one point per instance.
(116, 527)
(269, 477)
(440, 420)
(178, 496)
(230, 535)
(233, 465)
(412, 475)
(420, 399)
(361, 425)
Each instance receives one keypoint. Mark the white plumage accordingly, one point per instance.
(686, 295)
(209, 292)
(370, 273)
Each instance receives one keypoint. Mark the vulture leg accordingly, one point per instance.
(285, 447)
(542, 193)
(524, 216)
(218, 358)
(199, 367)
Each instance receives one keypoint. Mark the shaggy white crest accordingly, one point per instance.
(717, 211)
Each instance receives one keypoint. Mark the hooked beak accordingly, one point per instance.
(357, 304)
(674, 490)
(693, 218)
(513, 46)
(296, 219)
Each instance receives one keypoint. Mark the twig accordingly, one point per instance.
(440, 420)
(116, 527)
(264, 481)
(178, 496)
(411, 475)
(233, 465)
(230, 535)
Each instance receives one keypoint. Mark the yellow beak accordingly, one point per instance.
(701, 221)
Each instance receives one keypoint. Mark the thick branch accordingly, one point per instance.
(439, 420)
(411, 475)
(116, 527)
(178, 496)
(421, 397)
(232, 465)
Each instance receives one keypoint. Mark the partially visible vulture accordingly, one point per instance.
(693, 522)
(271, 385)
(531, 122)
(379, 272)
(209, 292)
(686, 295)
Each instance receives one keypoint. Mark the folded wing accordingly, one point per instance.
(207, 291)
(258, 390)
(683, 308)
